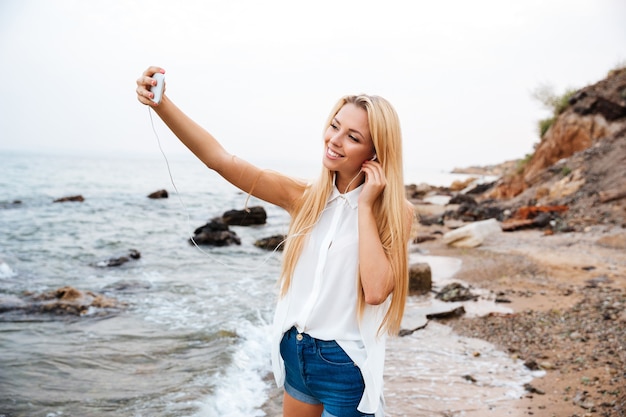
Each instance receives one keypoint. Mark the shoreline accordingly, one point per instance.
(568, 296)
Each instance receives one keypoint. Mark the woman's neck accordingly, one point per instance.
(345, 185)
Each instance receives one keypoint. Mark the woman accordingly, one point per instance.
(345, 268)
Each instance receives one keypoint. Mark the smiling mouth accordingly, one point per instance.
(332, 153)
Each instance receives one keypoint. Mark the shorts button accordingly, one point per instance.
(299, 337)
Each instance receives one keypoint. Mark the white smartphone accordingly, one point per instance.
(157, 90)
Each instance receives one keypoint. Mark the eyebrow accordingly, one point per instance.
(336, 121)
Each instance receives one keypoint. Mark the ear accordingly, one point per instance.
(375, 157)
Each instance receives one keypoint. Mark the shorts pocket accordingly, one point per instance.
(333, 354)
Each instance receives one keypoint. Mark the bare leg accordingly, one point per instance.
(295, 408)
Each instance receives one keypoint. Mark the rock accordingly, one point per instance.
(567, 186)
(530, 212)
(215, 233)
(533, 390)
(158, 194)
(454, 313)
(132, 254)
(455, 292)
(408, 332)
(531, 364)
(486, 211)
(421, 237)
(459, 185)
(547, 365)
(471, 211)
(533, 217)
(579, 160)
(69, 300)
(77, 198)
(414, 191)
(250, 216)
(463, 199)
(10, 302)
(470, 378)
(420, 278)
(431, 220)
(472, 235)
(512, 224)
(62, 301)
(480, 188)
(271, 243)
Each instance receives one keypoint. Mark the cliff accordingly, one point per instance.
(580, 161)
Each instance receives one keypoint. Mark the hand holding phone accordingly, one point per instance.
(157, 90)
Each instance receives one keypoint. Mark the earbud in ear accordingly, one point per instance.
(375, 157)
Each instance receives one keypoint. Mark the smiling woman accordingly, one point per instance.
(348, 145)
(344, 277)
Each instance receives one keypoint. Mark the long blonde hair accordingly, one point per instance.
(390, 209)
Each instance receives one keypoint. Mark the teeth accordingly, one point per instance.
(333, 154)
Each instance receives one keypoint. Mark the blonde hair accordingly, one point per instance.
(390, 209)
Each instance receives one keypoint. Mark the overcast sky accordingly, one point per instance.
(263, 75)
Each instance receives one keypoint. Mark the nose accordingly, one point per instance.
(335, 139)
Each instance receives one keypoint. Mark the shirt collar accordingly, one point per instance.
(352, 197)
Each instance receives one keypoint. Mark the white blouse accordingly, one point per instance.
(322, 298)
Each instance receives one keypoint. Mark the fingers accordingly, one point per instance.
(375, 182)
(145, 82)
(374, 172)
(150, 71)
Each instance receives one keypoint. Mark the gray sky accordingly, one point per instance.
(263, 75)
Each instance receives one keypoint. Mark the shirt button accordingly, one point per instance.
(299, 337)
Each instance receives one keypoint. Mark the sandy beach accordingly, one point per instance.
(567, 296)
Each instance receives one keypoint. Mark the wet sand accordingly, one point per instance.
(567, 293)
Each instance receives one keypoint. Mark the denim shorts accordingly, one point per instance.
(320, 372)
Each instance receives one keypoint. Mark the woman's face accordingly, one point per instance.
(347, 141)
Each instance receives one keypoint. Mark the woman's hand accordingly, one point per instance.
(145, 83)
(375, 182)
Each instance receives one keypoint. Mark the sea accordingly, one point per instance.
(190, 335)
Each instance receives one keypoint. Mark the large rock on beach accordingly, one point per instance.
(215, 233)
(247, 217)
(455, 292)
(62, 301)
(275, 242)
(420, 278)
(472, 235)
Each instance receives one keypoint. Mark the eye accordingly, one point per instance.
(354, 138)
(334, 126)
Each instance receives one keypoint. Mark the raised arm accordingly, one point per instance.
(269, 186)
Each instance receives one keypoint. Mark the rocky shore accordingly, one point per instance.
(568, 297)
(558, 262)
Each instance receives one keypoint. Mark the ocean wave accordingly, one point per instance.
(242, 388)
(6, 271)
